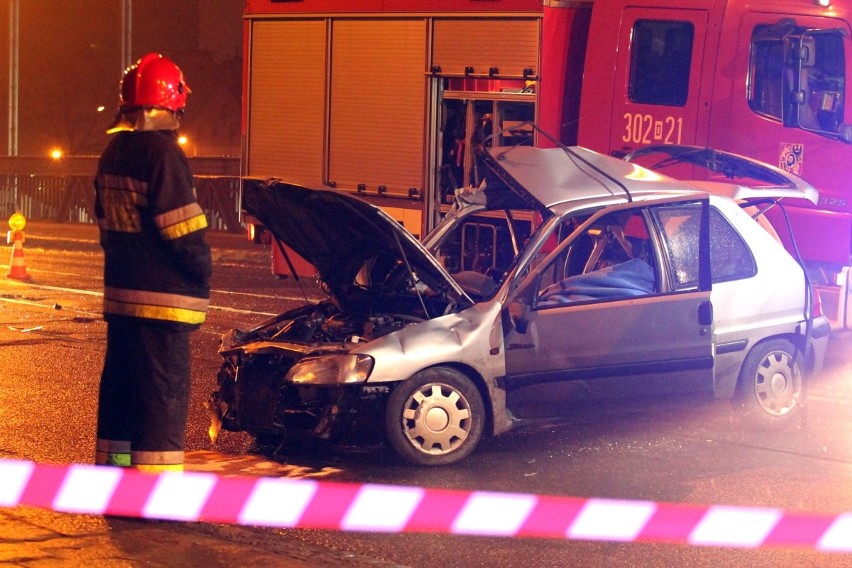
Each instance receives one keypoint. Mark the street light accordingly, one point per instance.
(56, 154)
(184, 143)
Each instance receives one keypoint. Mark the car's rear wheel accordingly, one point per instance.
(771, 389)
(436, 417)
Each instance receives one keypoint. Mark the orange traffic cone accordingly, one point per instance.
(17, 266)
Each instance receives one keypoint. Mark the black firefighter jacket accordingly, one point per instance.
(157, 263)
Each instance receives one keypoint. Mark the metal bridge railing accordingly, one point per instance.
(68, 196)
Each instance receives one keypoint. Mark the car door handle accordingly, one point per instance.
(705, 313)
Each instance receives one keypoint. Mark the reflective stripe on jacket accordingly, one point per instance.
(155, 305)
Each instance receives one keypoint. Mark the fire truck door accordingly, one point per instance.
(657, 79)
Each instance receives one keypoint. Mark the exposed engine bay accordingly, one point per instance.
(326, 323)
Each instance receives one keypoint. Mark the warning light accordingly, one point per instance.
(258, 234)
(15, 237)
(17, 221)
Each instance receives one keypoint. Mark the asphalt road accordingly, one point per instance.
(52, 338)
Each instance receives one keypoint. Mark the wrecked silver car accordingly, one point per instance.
(570, 277)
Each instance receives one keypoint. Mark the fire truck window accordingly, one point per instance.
(767, 72)
(660, 60)
(821, 81)
(797, 76)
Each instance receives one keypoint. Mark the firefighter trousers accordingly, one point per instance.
(144, 396)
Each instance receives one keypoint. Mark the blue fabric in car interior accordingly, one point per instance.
(632, 278)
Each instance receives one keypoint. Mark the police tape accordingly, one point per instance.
(303, 503)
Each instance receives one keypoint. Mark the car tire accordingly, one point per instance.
(436, 417)
(771, 388)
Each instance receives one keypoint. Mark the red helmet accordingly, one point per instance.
(154, 81)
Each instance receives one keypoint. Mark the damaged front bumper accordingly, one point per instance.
(256, 398)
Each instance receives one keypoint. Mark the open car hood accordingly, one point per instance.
(355, 246)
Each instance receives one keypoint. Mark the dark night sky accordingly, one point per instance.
(70, 63)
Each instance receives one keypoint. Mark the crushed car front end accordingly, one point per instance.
(300, 375)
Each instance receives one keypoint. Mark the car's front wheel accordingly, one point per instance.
(771, 389)
(436, 417)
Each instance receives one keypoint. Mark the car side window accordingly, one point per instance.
(610, 259)
(730, 257)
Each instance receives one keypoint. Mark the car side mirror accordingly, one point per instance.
(518, 314)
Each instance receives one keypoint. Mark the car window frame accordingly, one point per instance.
(529, 278)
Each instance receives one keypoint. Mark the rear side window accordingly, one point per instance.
(660, 61)
(730, 257)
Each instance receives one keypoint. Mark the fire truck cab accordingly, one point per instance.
(762, 78)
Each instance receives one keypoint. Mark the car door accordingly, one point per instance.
(576, 330)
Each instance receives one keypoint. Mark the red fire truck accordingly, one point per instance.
(387, 98)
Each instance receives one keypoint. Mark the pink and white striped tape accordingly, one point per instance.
(281, 502)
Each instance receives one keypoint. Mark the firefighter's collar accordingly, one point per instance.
(143, 119)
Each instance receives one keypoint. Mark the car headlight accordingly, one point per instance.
(331, 369)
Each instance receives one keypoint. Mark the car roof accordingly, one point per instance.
(553, 176)
(555, 180)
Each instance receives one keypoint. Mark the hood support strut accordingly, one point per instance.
(287, 259)
(411, 273)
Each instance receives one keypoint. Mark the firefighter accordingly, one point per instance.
(157, 268)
